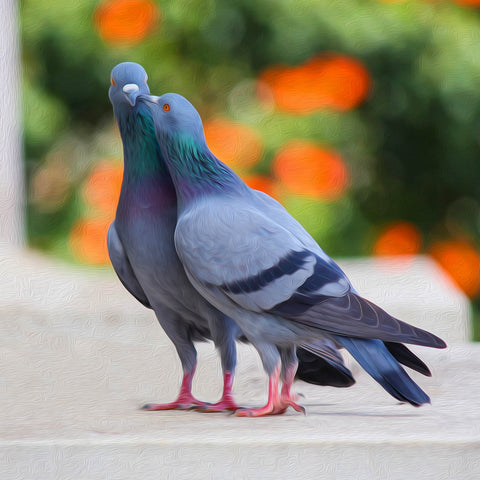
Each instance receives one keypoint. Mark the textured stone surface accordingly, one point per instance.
(69, 408)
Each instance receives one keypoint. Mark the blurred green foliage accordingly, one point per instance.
(412, 147)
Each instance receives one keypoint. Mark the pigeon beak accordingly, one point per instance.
(150, 98)
(131, 91)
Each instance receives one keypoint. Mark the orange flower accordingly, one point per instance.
(102, 187)
(305, 168)
(462, 262)
(469, 3)
(337, 82)
(261, 182)
(126, 21)
(88, 241)
(399, 238)
(237, 145)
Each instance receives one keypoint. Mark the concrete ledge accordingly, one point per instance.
(69, 409)
(221, 460)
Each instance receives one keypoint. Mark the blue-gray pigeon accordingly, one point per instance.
(141, 248)
(247, 256)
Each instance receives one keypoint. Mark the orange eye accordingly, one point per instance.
(166, 107)
(112, 81)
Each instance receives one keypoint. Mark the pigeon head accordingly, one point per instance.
(175, 117)
(193, 167)
(127, 81)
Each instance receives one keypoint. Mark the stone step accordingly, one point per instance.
(69, 409)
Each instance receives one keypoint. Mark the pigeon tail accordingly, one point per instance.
(375, 358)
(354, 316)
(406, 357)
(318, 368)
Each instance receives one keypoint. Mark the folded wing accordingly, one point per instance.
(248, 257)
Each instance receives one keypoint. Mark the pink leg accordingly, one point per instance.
(276, 403)
(226, 403)
(286, 396)
(269, 408)
(185, 398)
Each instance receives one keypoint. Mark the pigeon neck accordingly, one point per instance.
(142, 156)
(195, 171)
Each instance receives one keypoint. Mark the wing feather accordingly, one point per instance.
(122, 266)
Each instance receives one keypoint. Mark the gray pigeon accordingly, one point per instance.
(247, 256)
(140, 245)
(141, 248)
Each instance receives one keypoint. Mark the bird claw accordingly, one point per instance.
(179, 404)
(270, 409)
(224, 405)
(289, 402)
(259, 412)
(299, 408)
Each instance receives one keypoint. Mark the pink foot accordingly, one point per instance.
(287, 397)
(183, 402)
(277, 404)
(270, 409)
(291, 403)
(258, 412)
(226, 403)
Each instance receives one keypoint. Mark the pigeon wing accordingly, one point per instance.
(122, 266)
(255, 262)
(240, 252)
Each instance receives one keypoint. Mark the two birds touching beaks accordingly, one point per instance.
(219, 261)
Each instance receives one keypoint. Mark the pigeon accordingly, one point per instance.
(253, 261)
(141, 248)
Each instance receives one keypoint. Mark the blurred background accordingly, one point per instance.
(361, 116)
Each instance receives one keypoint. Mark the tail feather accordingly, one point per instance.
(406, 357)
(354, 316)
(375, 358)
(320, 363)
